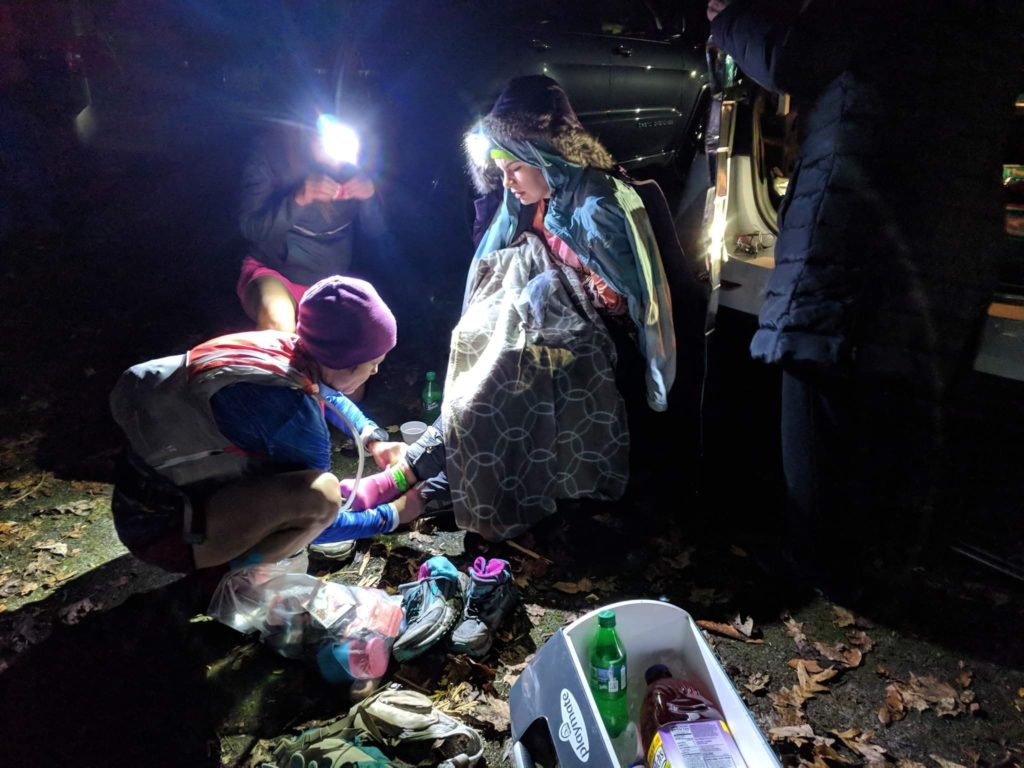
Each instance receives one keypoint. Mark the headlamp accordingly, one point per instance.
(340, 142)
(478, 146)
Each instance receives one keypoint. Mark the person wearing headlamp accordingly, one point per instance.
(303, 200)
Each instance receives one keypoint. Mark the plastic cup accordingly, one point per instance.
(412, 431)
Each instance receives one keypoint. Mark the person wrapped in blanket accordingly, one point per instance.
(562, 183)
(228, 457)
(566, 267)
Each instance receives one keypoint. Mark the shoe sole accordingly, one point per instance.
(335, 556)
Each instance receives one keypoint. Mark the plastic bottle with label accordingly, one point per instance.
(681, 726)
(431, 398)
(608, 675)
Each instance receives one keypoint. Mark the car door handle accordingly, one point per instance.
(622, 50)
(539, 45)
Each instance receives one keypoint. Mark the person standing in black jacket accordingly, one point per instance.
(300, 209)
(888, 242)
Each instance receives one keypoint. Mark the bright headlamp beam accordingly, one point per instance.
(340, 142)
(478, 147)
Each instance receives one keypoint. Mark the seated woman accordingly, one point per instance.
(229, 456)
(533, 410)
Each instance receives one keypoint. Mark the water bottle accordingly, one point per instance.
(608, 675)
(431, 399)
(346, 660)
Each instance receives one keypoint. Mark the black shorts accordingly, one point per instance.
(157, 521)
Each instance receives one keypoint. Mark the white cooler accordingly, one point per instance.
(554, 690)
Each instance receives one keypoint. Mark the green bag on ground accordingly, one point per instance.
(317, 748)
(418, 732)
(404, 722)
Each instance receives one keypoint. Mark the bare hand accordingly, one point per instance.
(317, 189)
(387, 454)
(356, 188)
(715, 7)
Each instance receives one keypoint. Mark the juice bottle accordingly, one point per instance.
(608, 675)
(681, 726)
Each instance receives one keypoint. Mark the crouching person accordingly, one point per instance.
(228, 452)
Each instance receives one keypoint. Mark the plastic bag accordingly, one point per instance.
(346, 632)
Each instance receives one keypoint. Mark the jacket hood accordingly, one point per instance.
(531, 110)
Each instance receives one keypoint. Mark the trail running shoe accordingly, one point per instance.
(490, 596)
(432, 605)
(335, 550)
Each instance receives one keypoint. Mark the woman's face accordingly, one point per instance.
(348, 380)
(523, 180)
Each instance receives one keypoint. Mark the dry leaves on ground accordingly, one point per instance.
(944, 763)
(839, 652)
(860, 742)
(72, 614)
(812, 750)
(535, 613)
(484, 709)
(56, 547)
(795, 630)
(513, 671)
(919, 694)
(789, 702)
(736, 629)
(758, 682)
(26, 631)
(82, 508)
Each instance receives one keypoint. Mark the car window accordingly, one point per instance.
(627, 18)
(568, 16)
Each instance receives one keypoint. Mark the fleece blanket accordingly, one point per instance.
(531, 410)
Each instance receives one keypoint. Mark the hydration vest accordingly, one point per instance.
(163, 405)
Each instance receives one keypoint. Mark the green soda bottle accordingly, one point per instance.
(431, 399)
(608, 675)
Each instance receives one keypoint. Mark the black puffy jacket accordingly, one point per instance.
(890, 229)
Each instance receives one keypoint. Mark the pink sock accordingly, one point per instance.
(373, 490)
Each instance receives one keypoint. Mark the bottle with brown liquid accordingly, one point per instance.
(671, 700)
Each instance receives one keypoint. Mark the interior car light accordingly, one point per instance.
(339, 141)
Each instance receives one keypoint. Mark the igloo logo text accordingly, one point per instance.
(573, 730)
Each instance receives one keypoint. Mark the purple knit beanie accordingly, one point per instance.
(343, 322)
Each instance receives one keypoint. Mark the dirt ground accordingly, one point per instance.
(105, 661)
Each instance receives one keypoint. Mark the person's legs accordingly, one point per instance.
(269, 302)
(270, 516)
(859, 460)
(426, 461)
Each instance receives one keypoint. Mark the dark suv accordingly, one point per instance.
(423, 69)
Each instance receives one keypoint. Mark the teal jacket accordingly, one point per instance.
(604, 222)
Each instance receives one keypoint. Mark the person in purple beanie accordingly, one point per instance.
(228, 449)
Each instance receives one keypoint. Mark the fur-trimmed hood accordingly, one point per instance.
(532, 112)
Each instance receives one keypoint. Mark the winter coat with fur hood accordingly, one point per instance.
(600, 217)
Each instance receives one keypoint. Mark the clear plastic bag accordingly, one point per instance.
(347, 632)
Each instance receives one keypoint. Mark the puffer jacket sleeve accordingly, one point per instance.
(266, 211)
(794, 46)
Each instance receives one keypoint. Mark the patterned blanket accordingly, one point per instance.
(531, 410)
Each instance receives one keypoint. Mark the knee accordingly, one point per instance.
(275, 309)
(323, 498)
